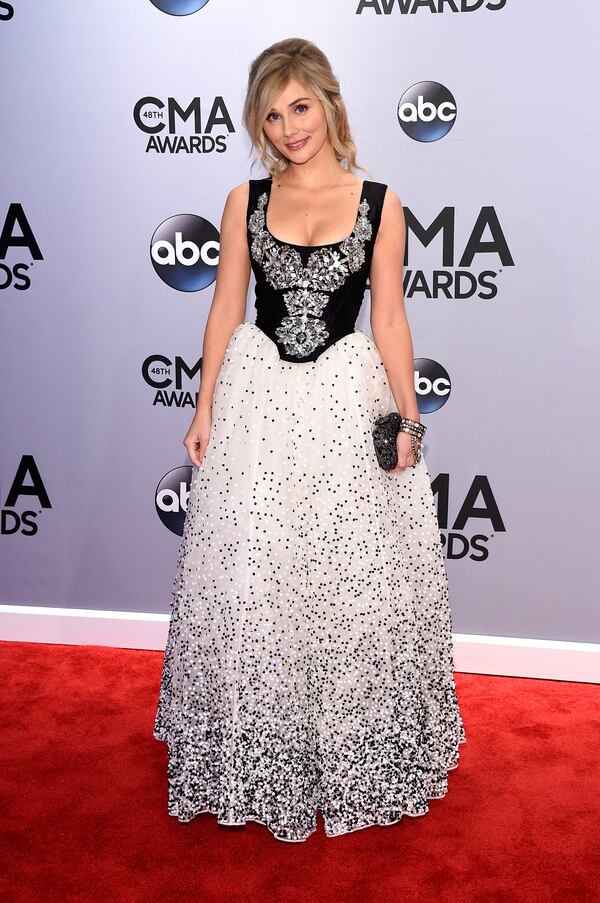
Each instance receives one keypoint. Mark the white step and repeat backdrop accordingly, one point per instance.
(121, 127)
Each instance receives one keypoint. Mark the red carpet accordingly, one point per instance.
(83, 807)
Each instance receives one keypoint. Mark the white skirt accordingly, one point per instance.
(309, 660)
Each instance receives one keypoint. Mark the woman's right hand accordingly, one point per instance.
(196, 438)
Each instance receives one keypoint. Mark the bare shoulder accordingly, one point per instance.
(237, 197)
(391, 234)
(392, 211)
(233, 220)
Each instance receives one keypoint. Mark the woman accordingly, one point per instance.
(309, 659)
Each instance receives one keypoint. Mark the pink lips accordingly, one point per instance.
(298, 145)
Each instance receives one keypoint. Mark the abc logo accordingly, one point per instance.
(432, 385)
(179, 7)
(185, 252)
(172, 497)
(427, 111)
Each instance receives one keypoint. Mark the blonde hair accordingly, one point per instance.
(268, 75)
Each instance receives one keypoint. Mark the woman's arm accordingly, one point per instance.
(389, 323)
(228, 306)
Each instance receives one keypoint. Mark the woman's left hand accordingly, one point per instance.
(405, 454)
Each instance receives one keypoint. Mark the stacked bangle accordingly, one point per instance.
(416, 430)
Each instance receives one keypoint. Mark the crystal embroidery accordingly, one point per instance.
(326, 270)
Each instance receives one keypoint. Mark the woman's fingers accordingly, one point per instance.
(195, 450)
(405, 459)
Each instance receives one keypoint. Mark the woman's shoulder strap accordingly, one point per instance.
(255, 189)
(375, 195)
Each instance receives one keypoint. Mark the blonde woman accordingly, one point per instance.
(309, 661)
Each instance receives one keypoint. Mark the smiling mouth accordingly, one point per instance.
(297, 144)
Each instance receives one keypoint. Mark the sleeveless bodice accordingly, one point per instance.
(308, 297)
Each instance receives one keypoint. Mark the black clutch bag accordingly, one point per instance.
(385, 432)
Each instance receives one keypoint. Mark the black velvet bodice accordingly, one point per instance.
(309, 296)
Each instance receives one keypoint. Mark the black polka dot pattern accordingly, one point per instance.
(309, 660)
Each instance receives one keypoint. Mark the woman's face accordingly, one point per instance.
(295, 124)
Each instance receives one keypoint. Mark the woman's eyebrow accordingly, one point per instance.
(292, 102)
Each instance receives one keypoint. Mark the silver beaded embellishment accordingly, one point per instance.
(326, 270)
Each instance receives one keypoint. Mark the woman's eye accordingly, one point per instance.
(298, 106)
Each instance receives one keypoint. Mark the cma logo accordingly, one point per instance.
(479, 504)
(455, 280)
(17, 240)
(427, 111)
(410, 7)
(179, 7)
(162, 373)
(184, 251)
(6, 12)
(432, 385)
(27, 484)
(171, 498)
(175, 129)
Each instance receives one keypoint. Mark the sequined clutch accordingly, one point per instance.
(385, 431)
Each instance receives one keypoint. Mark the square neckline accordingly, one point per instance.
(329, 244)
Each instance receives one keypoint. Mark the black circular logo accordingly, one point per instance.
(179, 7)
(172, 497)
(185, 252)
(427, 111)
(432, 385)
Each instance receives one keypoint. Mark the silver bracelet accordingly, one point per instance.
(416, 430)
